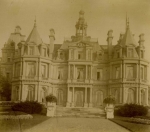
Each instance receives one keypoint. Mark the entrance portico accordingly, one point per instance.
(79, 97)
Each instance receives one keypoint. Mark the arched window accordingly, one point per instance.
(131, 96)
(30, 96)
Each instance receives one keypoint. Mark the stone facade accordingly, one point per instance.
(80, 72)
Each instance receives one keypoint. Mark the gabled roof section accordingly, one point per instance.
(34, 36)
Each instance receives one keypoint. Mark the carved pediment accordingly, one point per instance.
(81, 44)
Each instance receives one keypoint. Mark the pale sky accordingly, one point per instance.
(61, 15)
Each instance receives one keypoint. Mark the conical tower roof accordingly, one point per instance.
(128, 37)
(34, 36)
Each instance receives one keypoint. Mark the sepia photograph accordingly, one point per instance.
(74, 65)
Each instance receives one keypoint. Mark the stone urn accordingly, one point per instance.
(51, 105)
(109, 107)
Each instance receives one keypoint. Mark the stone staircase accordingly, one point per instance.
(79, 112)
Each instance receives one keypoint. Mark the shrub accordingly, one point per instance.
(51, 98)
(131, 110)
(109, 100)
(28, 107)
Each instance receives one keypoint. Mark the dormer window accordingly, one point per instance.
(130, 52)
(31, 50)
(44, 52)
(61, 56)
(118, 54)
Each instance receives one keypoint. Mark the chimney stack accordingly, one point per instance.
(141, 39)
(52, 39)
(109, 42)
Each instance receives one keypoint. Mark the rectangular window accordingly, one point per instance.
(80, 73)
(43, 71)
(31, 70)
(60, 73)
(80, 55)
(130, 72)
(31, 50)
(8, 75)
(99, 74)
(117, 69)
(8, 59)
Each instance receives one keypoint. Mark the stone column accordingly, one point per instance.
(20, 72)
(91, 72)
(124, 71)
(68, 71)
(139, 90)
(24, 69)
(68, 103)
(35, 93)
(86, 72)
(39, 74)
(91, 104)
(137, 71)
(123, 95)
(136, 95)
(74, 72)
(13, 73)
(20, 89)
(121, 71)
(85, 103)
(146, 97)
(110, 72)
(72, 105)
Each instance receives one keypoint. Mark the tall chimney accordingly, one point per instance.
(109, 42)
(141, 39)
(52, 39)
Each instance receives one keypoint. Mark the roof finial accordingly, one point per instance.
(35, 22)
(127, 21)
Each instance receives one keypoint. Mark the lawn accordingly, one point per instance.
(21, 125)
(133, 127)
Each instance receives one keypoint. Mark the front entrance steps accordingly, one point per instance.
(79, 112)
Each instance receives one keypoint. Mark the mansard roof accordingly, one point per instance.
(34, 36)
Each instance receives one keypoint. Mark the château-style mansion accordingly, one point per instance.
(80, 72)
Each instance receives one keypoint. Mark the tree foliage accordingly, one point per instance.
(5, 87)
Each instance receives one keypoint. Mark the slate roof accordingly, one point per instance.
(34, 36)
(128, 38)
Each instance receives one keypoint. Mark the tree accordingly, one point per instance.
(5, 87)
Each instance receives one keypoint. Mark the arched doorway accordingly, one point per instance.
(60, 97)
(99, 98)
(79, 98)
(131, 96)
